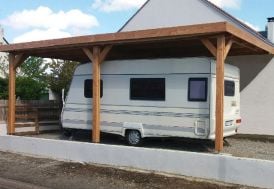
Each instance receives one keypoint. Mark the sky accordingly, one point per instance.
(28, 20)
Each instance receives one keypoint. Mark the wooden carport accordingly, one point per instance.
(216, 40)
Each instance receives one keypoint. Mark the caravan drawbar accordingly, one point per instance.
(154, 98)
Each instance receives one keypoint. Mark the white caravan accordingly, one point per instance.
(154, 98)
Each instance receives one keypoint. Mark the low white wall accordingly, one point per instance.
(224, 168)
(3, 128)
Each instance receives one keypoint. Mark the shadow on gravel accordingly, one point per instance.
(182, 144)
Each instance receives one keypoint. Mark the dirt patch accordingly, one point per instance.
(63, 175)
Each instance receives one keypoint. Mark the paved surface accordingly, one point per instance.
(17, 170)
(247, 146)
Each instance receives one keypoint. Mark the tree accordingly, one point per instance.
(3, 88)
(31, 79)
(4, 66)
(35, 68)
(35, 76)
(61, 73)
(28, 88)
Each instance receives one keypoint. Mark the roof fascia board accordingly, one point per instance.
(249, 38)
(122, 37)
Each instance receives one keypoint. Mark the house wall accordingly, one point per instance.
(257, 93)
(163, 13)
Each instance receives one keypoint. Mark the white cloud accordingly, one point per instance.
(44, 23)
(256, 28)
(235, 4)
(37, 34)
(117, 5)
(44, 17)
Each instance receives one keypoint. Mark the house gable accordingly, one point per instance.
(164, 13)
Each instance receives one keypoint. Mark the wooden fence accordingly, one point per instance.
(33, 116)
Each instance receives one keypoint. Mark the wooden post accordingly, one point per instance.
(14, 62)
(96, 95)
(11, 103)
(219, 125)
(96, 56)
(220, 53)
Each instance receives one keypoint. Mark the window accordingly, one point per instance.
(229, 88)
(88, 88)
(197, 89)
(147, 89)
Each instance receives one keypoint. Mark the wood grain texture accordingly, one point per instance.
(11, 103)
(228, 47)
(96, 95)
(209, 45)
(219, 125)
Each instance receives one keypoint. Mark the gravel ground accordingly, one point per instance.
(246, 146)
(258, 149)
(62, 175)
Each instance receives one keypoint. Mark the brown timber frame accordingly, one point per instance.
(216, 40)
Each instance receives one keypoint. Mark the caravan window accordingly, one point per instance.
(197, 89)
(147, 89)
(229, 88)
(88, 88)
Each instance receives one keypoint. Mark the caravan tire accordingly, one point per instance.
(133, 138)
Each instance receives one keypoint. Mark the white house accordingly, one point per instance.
(3, 56)
(257, 77)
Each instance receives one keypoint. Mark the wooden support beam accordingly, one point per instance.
(228, 47)
(208, 44)
(96, 56)
(89, 54)
(219, 125)
(19, 59)
(104, 53)
(12, 98)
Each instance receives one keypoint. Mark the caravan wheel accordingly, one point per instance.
(133, 137)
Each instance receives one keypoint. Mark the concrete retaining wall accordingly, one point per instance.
(3, 128)
(224, 168)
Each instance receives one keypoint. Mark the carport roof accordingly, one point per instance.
(182, 41)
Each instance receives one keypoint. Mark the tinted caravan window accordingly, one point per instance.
(88, 88)
(197, 89)
(229, 88)
(147, 89)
